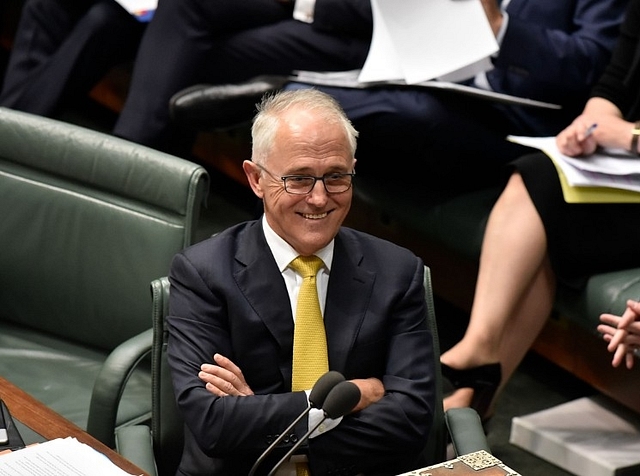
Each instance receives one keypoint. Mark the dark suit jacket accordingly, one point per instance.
(228, 296)
(555, 51)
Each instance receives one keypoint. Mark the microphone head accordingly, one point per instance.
(323, 386)
(341, 400)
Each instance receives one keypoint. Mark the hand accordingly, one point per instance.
(224, 379)
(612, 130)
(494, 14)
(371, 391)
(622, 334)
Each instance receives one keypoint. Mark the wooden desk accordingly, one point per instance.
(49, 424)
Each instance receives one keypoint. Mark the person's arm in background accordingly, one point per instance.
(611, 95)
(574, 47)
(494, 15)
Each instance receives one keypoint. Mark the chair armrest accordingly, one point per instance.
(135, 443)
(110, 383)
(466, 431)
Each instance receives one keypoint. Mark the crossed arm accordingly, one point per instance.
(622, 334)
(223, 378)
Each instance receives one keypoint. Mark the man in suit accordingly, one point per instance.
(62, 48)
(226, 41)
(550, 51)
(231, 324)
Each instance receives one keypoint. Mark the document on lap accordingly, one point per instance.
(608, 176)
(349, 79)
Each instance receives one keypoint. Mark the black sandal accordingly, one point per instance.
(484, 380)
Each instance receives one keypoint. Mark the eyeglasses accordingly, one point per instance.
(334, 182)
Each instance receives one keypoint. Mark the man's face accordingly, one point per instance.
(304, 145)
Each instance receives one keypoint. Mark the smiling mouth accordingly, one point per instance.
(314, 216)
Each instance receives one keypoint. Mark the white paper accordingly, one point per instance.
(418, 40)
(614, 169)
(59, 457)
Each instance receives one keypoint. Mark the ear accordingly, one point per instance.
(252, 172)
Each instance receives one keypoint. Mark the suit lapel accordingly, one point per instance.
(261, 283)
(348, 295)
(349, 291)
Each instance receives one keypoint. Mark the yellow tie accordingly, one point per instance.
(310, 359)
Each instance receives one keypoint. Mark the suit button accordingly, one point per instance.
(293, 437)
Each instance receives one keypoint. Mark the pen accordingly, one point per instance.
(590, 130)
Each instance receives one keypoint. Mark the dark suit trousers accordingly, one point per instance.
(198, 41)
(62, 49)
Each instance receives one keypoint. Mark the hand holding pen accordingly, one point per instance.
(578, 139)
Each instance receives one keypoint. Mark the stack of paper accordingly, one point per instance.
(417, 40)
(608, 176)
(590, 436)
(59, 457)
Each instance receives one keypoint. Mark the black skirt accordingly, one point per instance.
(582, 238)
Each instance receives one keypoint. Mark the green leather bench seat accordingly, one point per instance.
(88, 221)
(61, 373)
(458, 224)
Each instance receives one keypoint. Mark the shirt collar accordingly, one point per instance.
(284, 253)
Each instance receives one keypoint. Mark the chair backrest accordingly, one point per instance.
(88, 220)
(167, 426)
(436, 449)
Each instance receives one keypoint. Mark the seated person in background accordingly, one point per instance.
(234, 298)
(226, 41)
(549, 51)
(623, 334)
(534, 238)
(62, 48)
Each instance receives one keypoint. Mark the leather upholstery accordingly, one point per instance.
(88, 220)
(166, 425)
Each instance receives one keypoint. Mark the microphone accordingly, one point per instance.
(317, 396)
(340, 401)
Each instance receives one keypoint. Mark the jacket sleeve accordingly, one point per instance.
(200, 325)
(388, 436)
(573, 40)
(619, 83)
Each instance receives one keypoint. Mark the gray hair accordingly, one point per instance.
(267, 120)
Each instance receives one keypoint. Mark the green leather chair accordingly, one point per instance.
(88, 220)
(157, 449)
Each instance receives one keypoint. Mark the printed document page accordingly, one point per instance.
(59, 457)
(419, 40)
